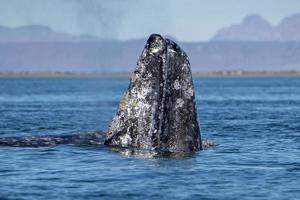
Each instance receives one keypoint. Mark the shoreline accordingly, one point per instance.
(226, 73)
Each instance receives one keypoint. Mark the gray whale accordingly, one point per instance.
(157, 112)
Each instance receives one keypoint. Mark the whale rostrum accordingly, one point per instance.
(158, 110)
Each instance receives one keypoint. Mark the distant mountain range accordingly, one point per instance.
(40, 33)
(252, 45)
(255, 28)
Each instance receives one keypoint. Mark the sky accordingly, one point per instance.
(186, 20)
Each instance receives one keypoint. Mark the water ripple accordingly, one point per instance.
(255, 121)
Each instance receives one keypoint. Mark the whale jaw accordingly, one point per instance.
(158, 110)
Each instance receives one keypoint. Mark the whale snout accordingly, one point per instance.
(156, 44)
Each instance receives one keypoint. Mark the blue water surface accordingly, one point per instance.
(255, 121)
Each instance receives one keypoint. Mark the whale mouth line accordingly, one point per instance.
(161, 117)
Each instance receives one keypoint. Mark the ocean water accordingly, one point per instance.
(255, 121)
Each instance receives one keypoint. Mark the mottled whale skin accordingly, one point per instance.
(86, 138)
(156, 113)
(158, 110)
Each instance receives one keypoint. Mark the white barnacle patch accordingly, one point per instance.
(176, 85)
(115, 125)
(179, 103)
(156, 46)
(141, 68)
(141, 94)
(171, 51)
(141, 109)
(125, 139)
(190, 92)
(144, 53)
(139, 103)
(155, 49)
(185, 66)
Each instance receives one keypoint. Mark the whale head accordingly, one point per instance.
(158, 112)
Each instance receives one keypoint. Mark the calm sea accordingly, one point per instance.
(255, 121)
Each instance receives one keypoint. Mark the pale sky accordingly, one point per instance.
(186, 20)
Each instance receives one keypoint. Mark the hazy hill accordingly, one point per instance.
(122, 56)
(255, 28)
(252, 45)
(39, 33)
